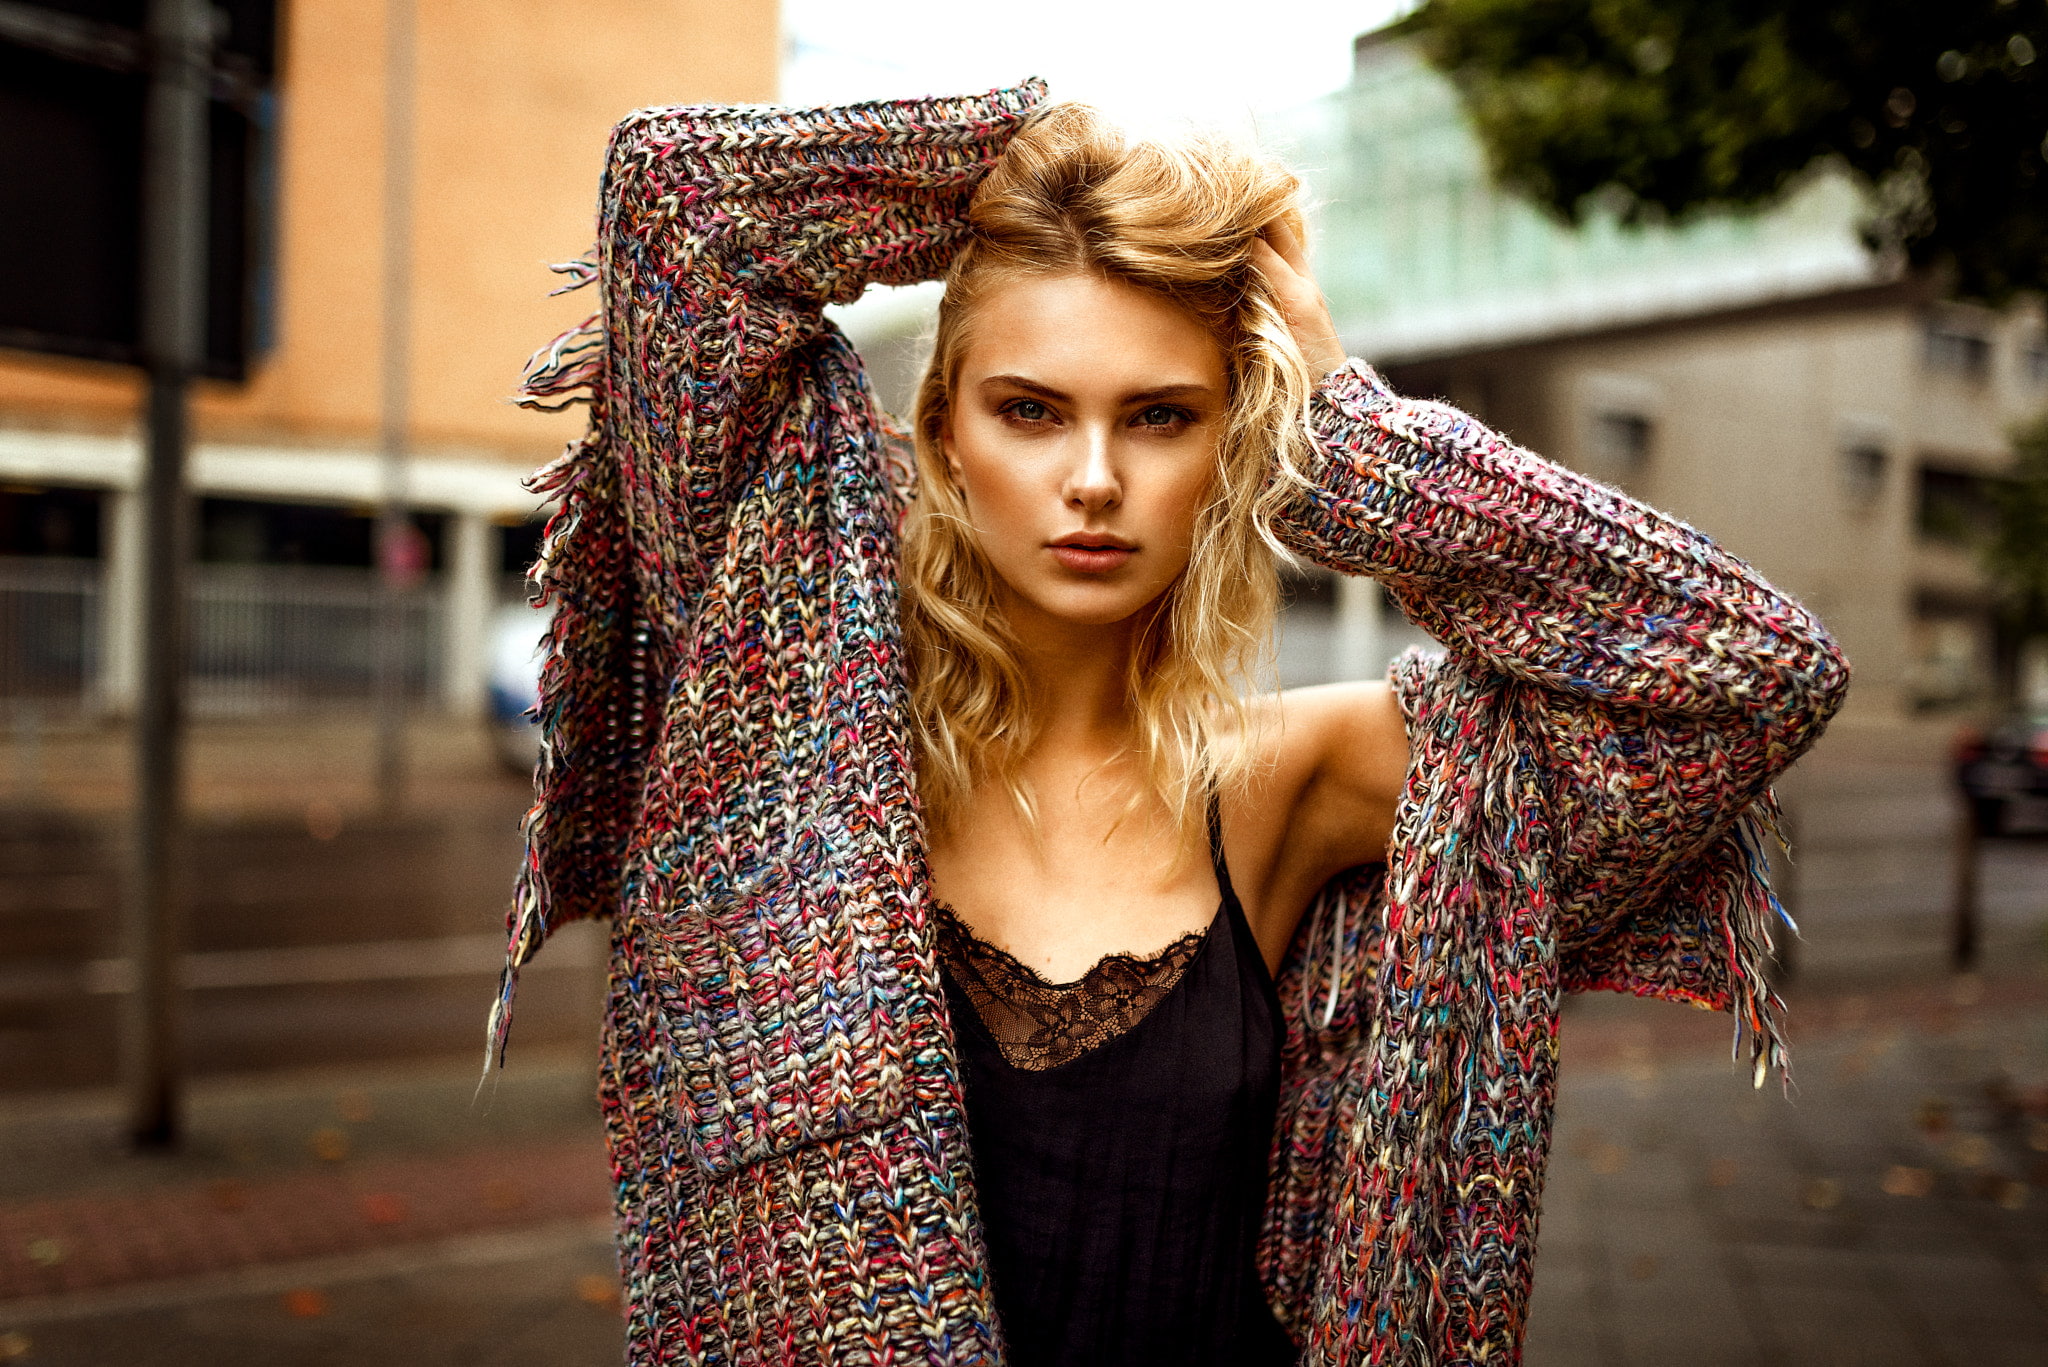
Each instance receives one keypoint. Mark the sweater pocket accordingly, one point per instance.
(773, 1012)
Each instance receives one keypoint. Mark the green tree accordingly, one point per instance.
(2016, 552)
(1663, 107)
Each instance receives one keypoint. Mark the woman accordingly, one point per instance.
(1111, 1051)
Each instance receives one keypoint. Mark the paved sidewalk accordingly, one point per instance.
(545, 1298)
(342, 1216)
(1893, 1210)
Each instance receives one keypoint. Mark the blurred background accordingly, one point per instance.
(1777, 269)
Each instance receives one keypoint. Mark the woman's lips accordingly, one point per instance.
(1085, 559)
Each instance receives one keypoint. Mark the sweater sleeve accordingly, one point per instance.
(1661, 682)
(723, 231)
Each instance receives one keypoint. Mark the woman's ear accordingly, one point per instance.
(946, 449)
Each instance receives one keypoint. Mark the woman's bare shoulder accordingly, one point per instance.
(1346, 726)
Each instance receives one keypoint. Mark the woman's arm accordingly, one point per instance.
(1670, 681)
(723, 231)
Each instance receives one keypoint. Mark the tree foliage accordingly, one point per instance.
(1669, 106)
(2017, 551)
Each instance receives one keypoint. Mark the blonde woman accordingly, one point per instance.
(999, 974)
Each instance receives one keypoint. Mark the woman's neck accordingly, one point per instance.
(1079, 678)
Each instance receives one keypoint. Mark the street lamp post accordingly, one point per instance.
(399, 553)
(173, 343)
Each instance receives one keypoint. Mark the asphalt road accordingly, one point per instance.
(322, 934)
(343, 1197)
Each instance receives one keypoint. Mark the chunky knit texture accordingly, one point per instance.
(728, 776)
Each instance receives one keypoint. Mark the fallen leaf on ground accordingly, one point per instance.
(14, 1345)
(305, 1303)
(1900, 1180)
(382, 1208)
(504, 1195)
(1970, 1151)
(593, 1289)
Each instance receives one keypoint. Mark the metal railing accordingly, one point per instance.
(275, 637)
(265, 638)
(49, 630)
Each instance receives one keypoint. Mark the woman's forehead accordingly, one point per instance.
(1085, 333)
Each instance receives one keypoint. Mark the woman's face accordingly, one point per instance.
(1082, 432)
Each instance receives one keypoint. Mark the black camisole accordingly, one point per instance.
(1120, 1127)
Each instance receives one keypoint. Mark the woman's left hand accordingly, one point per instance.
(1281, 257)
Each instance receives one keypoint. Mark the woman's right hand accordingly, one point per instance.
(1281, 259)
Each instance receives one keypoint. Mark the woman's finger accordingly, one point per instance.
(1308, 316)
(1285, 238)
(1267, 261)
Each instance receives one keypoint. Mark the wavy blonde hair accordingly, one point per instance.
(1075, 194)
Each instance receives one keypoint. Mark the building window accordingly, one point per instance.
(49, 522)
(1863, 470)
(1621, 444)
(1955, 506)
(1950, 656)
(1957, 350)
(234, 531)
(2034, 362)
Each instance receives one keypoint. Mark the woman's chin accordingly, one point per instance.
(1092, 605)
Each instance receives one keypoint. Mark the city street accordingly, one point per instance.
(1538, 324)
(320, 932)
(345, 1196)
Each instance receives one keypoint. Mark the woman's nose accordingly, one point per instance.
(1092, 483)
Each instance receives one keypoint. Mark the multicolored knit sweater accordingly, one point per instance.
(728, 777)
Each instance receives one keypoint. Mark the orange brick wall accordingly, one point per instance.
(514, 101)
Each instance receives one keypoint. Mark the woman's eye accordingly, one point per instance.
(1159, 415)
(1027, 410)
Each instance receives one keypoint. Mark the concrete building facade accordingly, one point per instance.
(1763, 376)
(1837, 442)
(513, 103)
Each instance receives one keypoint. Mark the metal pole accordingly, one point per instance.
(1969, 846)
(174, 339)
(396, 540)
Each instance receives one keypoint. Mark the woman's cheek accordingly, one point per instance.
(1000, 499)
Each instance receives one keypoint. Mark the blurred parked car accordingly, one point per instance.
(2007, 763)
(516, 640)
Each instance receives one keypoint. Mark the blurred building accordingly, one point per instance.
(513, 103)
(1763, 376)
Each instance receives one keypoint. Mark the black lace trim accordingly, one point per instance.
(1038, 1024)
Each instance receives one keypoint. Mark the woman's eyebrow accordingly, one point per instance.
(1171, 391)
(1043, 391)
(1152, 395)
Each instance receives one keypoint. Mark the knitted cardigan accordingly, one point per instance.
(728, 777)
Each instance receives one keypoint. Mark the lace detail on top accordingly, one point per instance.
(1038, 1024)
